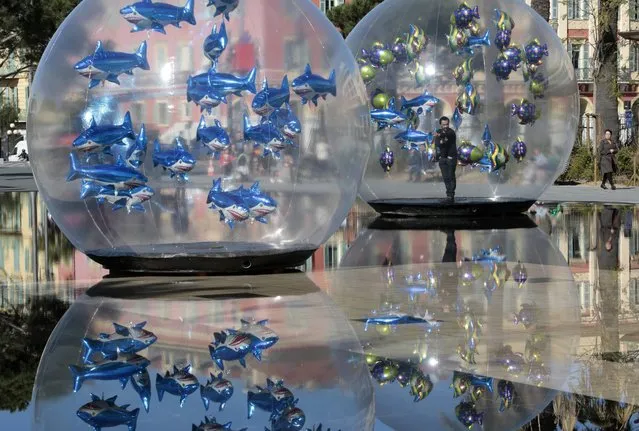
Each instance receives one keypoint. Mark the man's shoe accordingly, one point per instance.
(603, 187)
(613, 187)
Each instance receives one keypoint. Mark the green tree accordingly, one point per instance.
(346, 16)
(542, 7)
(26, 27)
(24, 331)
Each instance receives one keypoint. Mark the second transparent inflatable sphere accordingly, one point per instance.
(164, 135)
(505, 83)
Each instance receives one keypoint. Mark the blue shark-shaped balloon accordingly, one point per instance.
(267, 135)
(292, 419)
(224, 7)
(211, 424)
(273, 399)
(231, 206)
(204, 97)
(262, 336)
(131, 199)
(259, 205)
(271, 98)
(105, 65)
(214, 138)
(217, 390)
(394, 318)
(102, 413)
(411, 139)
(179, 383)
(118, 175)
(120, 369)
(141, 382)
(426, 101)
(105, 135)
(130, 339)
(177, 161)
(216, 43)
(230, 347)
(132, 152)
(388, 117)
(311, 87)
(146, 15)
(285, 120)
(223, 84)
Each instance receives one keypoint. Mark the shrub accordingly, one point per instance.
(580, 166)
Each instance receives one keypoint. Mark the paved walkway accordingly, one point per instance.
(623, 194)
(17, 176)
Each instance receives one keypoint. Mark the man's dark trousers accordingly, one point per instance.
(448, 166)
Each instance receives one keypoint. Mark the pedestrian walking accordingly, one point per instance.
(446, 144)
(607, 159)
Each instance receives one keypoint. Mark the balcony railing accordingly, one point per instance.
(583, 74)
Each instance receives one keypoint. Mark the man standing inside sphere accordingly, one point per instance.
(446, 146)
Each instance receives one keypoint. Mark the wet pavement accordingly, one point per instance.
(530, 323)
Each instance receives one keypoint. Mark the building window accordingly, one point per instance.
(161, 56)
(633, 10)
(186, 110)
(327, 5)
(185, 59)
(295, 54)
(578, 9)
(137, 113)
(580, 57)
(634, 58)
(162, 113)
(553, 9)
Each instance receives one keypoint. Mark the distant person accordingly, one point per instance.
(446, 146)
(607, 159)
(24, 156)
(415, 166)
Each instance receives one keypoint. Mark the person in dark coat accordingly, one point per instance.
(607, 159)
(446, 146)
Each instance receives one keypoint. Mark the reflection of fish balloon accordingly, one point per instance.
(464, 72)
(502, 20)
(467, 414)
(518, 149)
(506, 391)
(367, 72)
(513, 54)
(386, 159)
(457, 118)
(526, 112)
(538, 85)
(535, 51)
(502, 68)
(224, 7)
(464, 15)
(502, 39)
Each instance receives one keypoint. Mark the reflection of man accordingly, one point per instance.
(446, 145)
(449, 273)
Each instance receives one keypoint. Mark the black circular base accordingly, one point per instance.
(203, 259)
(504, 222)
(440, 207)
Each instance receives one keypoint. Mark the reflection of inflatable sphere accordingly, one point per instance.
(180, 336)
(484, 65)
(143, 119)
(492, 282)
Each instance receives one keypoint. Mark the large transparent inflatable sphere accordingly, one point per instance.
(229, 130)
(500, 74)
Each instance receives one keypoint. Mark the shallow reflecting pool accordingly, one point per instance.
(528, 323)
